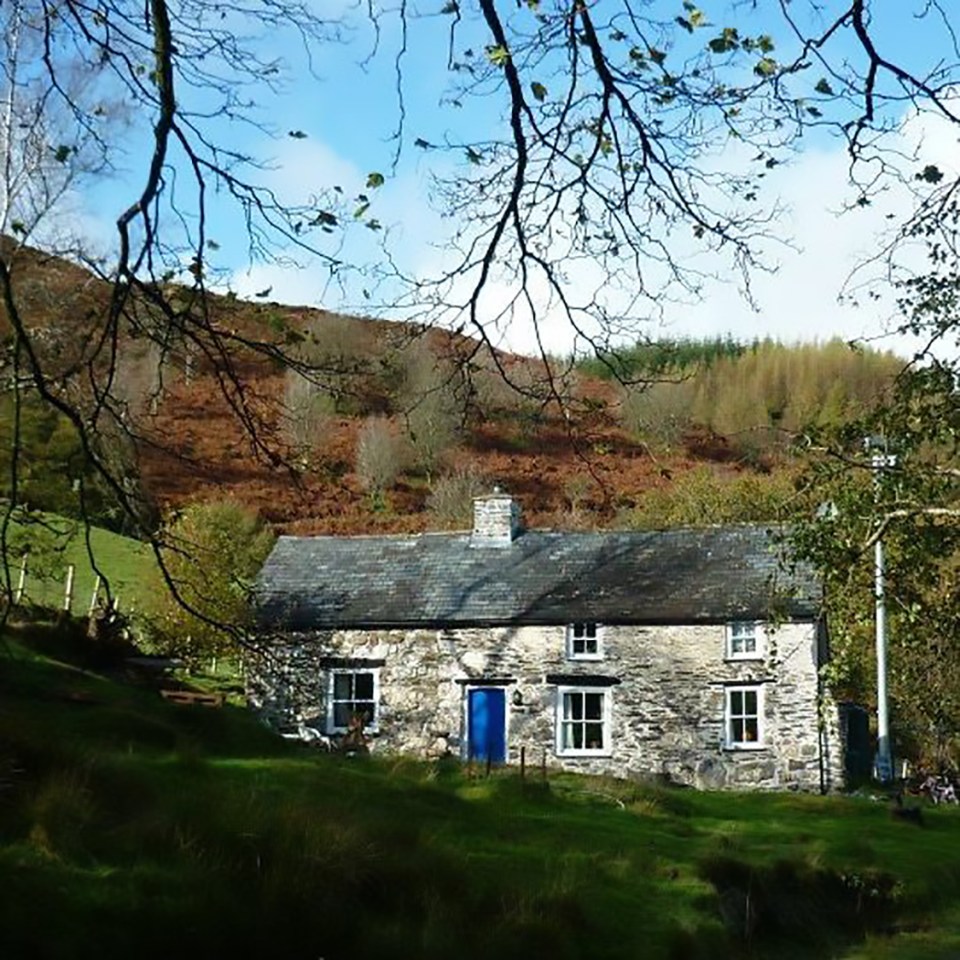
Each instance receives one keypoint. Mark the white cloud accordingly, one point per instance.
(798, 302)
(836, 283)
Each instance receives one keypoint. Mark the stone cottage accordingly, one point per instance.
(688, 654)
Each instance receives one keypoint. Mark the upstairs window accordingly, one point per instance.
(744, 640)
(353, 698)
(583, 641)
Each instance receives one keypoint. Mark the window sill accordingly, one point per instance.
(576, 657)
(740, 657)
(577, 754)
(745, 747)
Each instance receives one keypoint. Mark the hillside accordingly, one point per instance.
(577, 447)
(129, 826)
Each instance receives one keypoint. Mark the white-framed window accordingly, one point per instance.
(744, 640)
(354, 694)
(743, 717)
(584, 641)
(583, 721)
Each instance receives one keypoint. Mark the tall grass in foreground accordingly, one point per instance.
(129, 826)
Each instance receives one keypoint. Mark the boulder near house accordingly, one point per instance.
(687, 654)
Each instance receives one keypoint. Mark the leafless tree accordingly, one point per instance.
(381, 456)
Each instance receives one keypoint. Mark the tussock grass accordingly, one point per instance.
(148, 829)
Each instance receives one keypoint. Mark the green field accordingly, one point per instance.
(131, 826)
(55, 543)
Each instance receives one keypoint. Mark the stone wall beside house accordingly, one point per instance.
(716, 706)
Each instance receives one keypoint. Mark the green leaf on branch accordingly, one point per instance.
(539, 91)
(823, 86)
(767, 67)
(498, 55)
(728, 40)
(374, 180)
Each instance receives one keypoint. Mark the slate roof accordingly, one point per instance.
(712, 574)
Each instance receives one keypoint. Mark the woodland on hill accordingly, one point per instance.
(396, 427)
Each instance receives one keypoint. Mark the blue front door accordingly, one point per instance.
(486, 718)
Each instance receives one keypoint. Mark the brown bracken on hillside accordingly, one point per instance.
(574, 469)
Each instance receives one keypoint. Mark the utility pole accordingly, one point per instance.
(879, 461)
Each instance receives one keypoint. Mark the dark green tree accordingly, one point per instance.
(908, 496)
(213, 552)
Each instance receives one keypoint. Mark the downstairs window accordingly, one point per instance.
(744, 717)
(354, 695)
(583, 721)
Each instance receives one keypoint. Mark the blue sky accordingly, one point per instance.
(349, 112)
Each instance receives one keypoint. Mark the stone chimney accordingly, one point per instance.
(496, 520)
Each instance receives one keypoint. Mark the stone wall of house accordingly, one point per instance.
(667, 685)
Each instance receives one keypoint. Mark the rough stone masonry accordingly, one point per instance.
(684, 654)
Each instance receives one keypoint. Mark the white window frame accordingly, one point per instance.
(606, 720)
(331, 702)
(597, 637)
(759, 640)
(728, 717)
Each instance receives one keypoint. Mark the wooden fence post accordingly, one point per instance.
(68, 592)
(95, 597)
(523, 763)
(22, 581)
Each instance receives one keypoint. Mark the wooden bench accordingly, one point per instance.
(192, 697)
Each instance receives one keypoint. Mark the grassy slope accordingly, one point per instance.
(128, 826)
(127, 564)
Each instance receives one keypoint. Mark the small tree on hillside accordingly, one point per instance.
(434, 401)
(451, 496)
(306, 415)
(214, 551)
(381, 455)
(658, 412)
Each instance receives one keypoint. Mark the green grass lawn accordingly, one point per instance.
(132, 827)
(128, 564)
